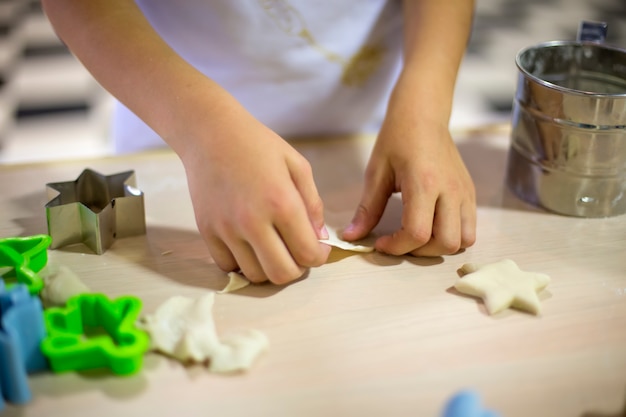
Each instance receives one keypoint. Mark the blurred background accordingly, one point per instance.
(51, 108)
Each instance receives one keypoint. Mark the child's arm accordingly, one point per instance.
(254, 198)
(414, 153)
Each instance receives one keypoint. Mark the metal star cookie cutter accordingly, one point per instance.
(95, 210)
(94, 332)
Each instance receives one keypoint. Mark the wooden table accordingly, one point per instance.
(363, 335)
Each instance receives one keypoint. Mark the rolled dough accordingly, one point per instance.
(336, 241)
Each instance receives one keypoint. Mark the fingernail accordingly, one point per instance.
(324, 233)
(348, 229)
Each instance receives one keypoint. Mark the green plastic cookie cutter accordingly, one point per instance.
(25, 256)
(94, 332)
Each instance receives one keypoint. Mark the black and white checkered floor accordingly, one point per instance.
(51, 108)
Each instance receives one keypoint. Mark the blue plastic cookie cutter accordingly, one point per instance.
(22, 330)
(466, 403)
(25, 256)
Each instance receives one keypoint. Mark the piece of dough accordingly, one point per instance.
(502, 285)
(183, 328)
(236, 281)
(60, 284)
(336, 241)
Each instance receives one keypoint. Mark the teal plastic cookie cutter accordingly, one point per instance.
(25, 256)
(93, 332)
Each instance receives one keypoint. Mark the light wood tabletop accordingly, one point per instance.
(364, 334)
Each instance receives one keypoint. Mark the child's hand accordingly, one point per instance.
(419, 159)
(414, 153)
(255, 202)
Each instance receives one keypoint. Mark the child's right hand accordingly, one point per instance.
(254, 198)
(255, 201)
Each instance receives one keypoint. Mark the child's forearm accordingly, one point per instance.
(436, 33)
(125, 54)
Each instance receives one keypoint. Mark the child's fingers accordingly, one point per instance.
(468, 224)
(247, 260)
(222, 256)
(302, 177)
(273, 256)
(376, 193)
(293, 226)
(417, 224)
(446, 234)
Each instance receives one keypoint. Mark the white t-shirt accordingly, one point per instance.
(300, 67)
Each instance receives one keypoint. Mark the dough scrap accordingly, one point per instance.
(236, 281)
(60, 284)
(502, 285)
(183, 328)
(336, 241)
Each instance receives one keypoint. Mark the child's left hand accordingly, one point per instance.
(417, 157)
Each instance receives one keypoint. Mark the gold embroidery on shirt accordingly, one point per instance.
(362, 65)
(356, 70)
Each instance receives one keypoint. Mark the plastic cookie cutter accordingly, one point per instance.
(25, 256)
(466, 403)
(22, 330)
(95, 209)
(93, 332)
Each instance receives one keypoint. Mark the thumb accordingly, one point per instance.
(370, 210)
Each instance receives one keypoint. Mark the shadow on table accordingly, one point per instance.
(32, 209)
(101, 380)
(621, 413)
(594, 414)
(182, 256)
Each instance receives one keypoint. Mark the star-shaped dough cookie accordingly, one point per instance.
(502, 285)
